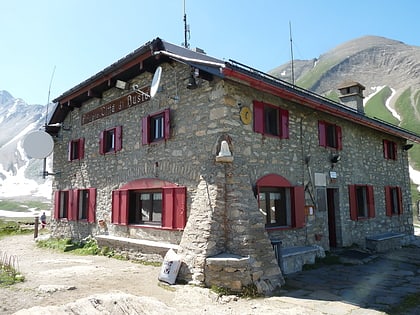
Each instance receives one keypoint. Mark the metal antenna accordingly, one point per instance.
(291, 52)
(45, 173)
(186, 30)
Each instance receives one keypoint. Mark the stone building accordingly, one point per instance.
(234, 168)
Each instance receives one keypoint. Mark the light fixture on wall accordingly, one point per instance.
(192, 83)
(121, 85)
(407, 147)
(335, 158)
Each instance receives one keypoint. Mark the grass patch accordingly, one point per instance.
(249, 291)
(8, 270)
(18, 206)
(87, 246)
(12, 228)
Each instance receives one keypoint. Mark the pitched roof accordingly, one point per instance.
(151, 54)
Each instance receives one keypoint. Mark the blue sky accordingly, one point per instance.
(78, 38)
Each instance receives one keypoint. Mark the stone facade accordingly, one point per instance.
(222, 209)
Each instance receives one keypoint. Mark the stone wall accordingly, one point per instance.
(222, 210)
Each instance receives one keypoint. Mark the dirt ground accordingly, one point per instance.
(64, 283)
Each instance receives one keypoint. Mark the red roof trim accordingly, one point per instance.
(283, 93)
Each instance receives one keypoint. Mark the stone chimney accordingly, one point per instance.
(351, 95)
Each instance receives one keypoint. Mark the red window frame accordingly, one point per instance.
(73, 205)
(328, 133)
(297, 195)
(148, 135)
(393, 200)
(262, 118)
(173, 203)
(76, 149)
(390, 149)
(353, 202)
(104, 148)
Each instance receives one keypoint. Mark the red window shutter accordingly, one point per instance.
(81, 148)
(299, 206)
(145, 130)
(180, 208)
(400, 204)
(102, 142)
(91, 205)
(56, 204)
(118, 138)
(69, 151)
(120, 207)
(284, 123)
(258, 117)
(388, 206)
(371, 202)
(352, 202)
(339, 137)
(385, 148)
(167, 123)
(168, 208)
(115, 212)
(72, 204)
(322, 134)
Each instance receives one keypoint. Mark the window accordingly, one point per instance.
(62, 202)
(390, 150)
(75, 204)
(76, 149)
(150, 202)
(329, 135)
(362, 205)
(145, 207)
(156, 127)
(110, 140)
(271, 120)
(281, 204)
(393, 200)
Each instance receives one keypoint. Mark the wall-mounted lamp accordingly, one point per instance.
(192, 83)
(335, 158)
(121, 85)
(407, 147)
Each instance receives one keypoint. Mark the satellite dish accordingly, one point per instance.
(38, 144)
(155, 81)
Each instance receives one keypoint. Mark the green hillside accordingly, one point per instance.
(375, 107)
(308, 80)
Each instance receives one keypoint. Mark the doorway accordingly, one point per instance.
(332, 205)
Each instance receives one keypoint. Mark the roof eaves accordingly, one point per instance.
(270, 84)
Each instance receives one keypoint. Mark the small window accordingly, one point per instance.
(393, 201)
(150, 203)
(271, 120)
(110, 140)
(76, 149)
(75, 204)
(63, 204)
(156, 127)
(83, 204)
(275, 206)
(145, 207)
(280, 203)
(329, 135)
(390, 150)
(361, 200)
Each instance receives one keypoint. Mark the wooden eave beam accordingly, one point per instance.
(108, 77)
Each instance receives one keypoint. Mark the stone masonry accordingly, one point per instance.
(222, 210)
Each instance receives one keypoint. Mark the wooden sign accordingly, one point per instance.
(117, 105)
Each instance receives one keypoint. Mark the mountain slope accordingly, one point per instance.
(19, 175)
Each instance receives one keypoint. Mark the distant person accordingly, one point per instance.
(43, 220)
